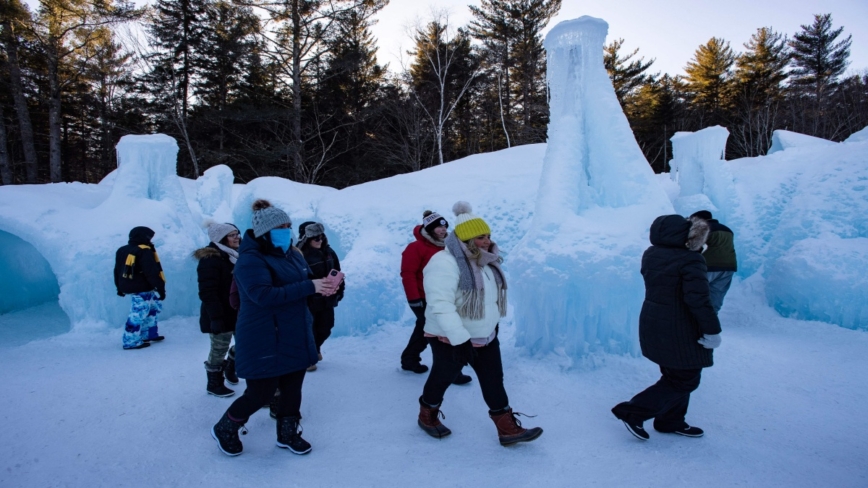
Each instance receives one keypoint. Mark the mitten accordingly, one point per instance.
(710, 341)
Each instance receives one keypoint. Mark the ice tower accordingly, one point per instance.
(575, 276)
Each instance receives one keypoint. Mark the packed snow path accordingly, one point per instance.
(783, 406)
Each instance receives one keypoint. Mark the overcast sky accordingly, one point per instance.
(666, 30)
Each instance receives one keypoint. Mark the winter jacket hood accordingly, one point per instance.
(141, 235)
(676, 231)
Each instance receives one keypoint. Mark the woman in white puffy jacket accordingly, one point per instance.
(466, 293)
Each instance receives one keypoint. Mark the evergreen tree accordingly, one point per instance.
(817, 58)
(709, 79)
(656, 111)
(15, 20)
(627, 74)
(511, 34)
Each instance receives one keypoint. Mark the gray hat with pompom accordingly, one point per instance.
(266, 217)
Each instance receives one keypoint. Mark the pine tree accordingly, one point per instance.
(511, 33)
(709, 79)
(626, 73)
(817, 58)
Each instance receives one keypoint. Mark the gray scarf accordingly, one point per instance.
(470, 280)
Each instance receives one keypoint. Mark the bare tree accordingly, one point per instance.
(14, 19)
(5, 165)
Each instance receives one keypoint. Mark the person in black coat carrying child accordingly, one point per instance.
(678, 328)
(321, 258)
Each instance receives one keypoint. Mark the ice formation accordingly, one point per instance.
(214, 192)
(784, 139)
(575, 278)
(860, 136)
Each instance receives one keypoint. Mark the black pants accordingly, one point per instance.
(260, 392)
(665, 401)
(323, 323)
(488, 367)
(413, 352)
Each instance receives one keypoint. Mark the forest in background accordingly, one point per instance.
(293, 88)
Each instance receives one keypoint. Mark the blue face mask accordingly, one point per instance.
(281, 238)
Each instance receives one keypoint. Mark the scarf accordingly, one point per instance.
(233, 254)
(470, 280)
(130, 263)
(428, 237)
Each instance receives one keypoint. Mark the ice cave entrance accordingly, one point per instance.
(29, 309)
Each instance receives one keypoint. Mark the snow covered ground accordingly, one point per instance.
(783, 406)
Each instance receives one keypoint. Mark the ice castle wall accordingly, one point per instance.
(575, 276)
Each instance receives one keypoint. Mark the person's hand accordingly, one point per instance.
(710, 341)
(324, 287)
(216, 326)
(463, 353)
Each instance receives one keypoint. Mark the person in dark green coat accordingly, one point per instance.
(719, 258)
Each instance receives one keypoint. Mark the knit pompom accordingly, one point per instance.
(461, 207)
(261, 204)
(208, 223)
(426, 213)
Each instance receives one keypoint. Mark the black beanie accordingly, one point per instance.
(432, 220)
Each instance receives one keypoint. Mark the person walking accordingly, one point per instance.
(273, 335)
(429, 241)
(138, 273)
(321, 259)
(216, 315)
(719, 257)
(678, 328)
(467, 295)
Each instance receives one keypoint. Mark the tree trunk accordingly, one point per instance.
(54, 165)
(5, 164)
(24, 124)
(296, 89)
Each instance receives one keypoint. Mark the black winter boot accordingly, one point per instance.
(215, 384)
(289, 435)
(225, 432)
(229, 371)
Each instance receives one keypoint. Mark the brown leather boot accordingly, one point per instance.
(429, 420)
(509, 428)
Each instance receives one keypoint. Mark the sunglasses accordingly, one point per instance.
(317, 238)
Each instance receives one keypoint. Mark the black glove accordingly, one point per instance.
(416, 303)
(418, 308)
(464, 353)
(162, 294)
(216, 326)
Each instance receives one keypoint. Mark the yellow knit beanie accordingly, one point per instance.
(467, 225)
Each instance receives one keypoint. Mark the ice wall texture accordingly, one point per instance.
(800, 217)
(575, 278)
(784, 139)
(76, 229)
(27, 277)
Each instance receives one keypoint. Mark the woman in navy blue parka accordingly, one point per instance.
(274, 342)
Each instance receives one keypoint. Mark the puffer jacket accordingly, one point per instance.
(214, 272)
(413, 260)
(441, 289)
(677, 310)
(273, 334)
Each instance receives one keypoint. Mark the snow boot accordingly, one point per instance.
(509, 429)
(215, 384)
(140, 346)
(289, 435)
(429, 420)
(225, 432)
(229, 371)
(155, 339)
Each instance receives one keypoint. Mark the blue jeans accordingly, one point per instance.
(718, 285)
(142, 321)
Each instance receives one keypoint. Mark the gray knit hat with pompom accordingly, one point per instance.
(266, 217)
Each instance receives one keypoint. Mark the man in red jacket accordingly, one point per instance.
(429, 241)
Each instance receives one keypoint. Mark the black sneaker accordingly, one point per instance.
(462, 379)
(686, 431)
(155, 339)
(637, 430)
(417, 368)
(140, 346)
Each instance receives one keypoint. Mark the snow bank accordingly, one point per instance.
(784, 139)
(575, 278)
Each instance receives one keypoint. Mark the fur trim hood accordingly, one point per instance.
(676, 231)
(206, 252)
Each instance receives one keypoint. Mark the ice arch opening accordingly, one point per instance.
(29, 288)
